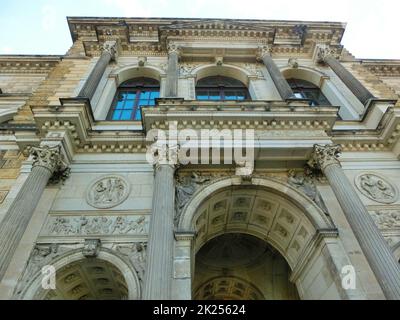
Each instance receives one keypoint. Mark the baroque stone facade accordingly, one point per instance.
(319, 196)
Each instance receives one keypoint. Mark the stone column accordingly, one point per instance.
(374, 246)
(171, 86)
(90, 86)
(46, 160)
(280, 82)
(159, 275)
(328, 56)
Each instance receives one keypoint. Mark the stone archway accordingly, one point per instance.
(280, 215)
(107, 276)
(88, 279)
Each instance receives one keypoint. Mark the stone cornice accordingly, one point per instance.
(383, 68)
(153, 34)
(28, 64)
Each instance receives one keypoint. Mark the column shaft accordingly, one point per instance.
(374, 246)
(19, 214)
(171, 90)
(355, 86)
(158, 278)
(90, 86)
(280, 82)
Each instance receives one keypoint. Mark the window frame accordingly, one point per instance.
(136, 86)
(308, 91)
(223, 88)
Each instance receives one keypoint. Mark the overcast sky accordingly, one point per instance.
(40, 26)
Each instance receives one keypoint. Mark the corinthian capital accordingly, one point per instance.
(174, 48)
(263, 51)
(48, 157)
(324, 156)
(111, 48)
(323, 52)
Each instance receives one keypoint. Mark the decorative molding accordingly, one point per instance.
(28, 65)
(376, 187)
(107, 192)
(76, 226)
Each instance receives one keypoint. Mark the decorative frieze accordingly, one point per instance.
(386, 218)
(78, 226)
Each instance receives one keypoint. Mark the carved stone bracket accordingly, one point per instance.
(91, 248)
(324, 155)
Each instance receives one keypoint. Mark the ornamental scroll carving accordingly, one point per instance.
(376, 187)
(107, 192)
(96, 225)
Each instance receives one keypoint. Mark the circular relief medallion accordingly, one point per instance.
(107, 192)
(376, 188)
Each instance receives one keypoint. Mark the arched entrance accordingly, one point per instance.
(237, 266)
(287, 243)
(89, 279)
(106, 277)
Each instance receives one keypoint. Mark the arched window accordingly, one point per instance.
(306, 90)
(131, 96)
(221, 88)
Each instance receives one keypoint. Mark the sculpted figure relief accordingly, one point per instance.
(376, 188)
(64, 226)
(387, 219)
(137, 256)
(107, 192)
(305, 183)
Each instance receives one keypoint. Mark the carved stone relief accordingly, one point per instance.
(95, 225)
(386, 219)
(107, 192)
(186, 186)
(137, 256)
(186, 69)
(41, 255)
(91, 248)
(376, 187)
(304, 182)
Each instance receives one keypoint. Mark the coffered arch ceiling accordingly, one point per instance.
(89, 279)
(232, 288)
(262, 213)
